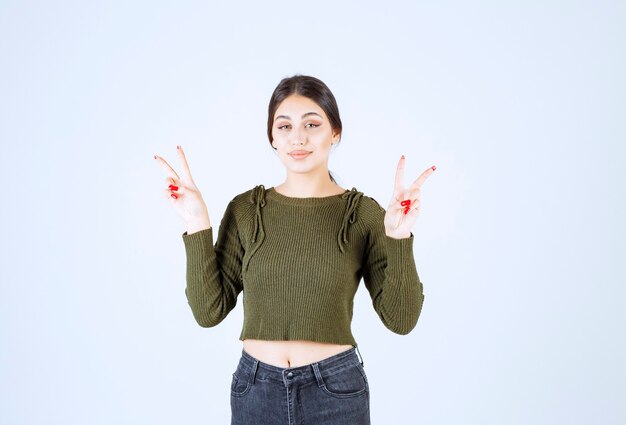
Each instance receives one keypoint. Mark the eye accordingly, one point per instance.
(311, 125)
(283, 126)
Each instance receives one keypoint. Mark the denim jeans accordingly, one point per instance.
(332, 391)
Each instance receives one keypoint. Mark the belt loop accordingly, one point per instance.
(318, 375)
(254, 369)
(357, 349)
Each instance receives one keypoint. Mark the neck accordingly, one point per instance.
(307, 185)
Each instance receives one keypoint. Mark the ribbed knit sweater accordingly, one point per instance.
(299, 262)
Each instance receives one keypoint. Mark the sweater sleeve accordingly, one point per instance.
(214, 272)
(391, 279)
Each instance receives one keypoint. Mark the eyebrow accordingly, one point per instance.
(303, 116)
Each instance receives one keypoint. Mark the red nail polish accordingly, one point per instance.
(172, 187)
(174, 196)
(406, 202)
(406, 210)
(434, 168)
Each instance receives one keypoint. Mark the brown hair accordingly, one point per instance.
(306, 86)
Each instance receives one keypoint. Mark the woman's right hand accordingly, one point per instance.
(184, 195)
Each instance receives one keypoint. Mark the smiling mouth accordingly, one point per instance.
(299, 154)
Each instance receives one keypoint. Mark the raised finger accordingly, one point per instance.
(397, 190)
(185, 172)
(422, 178)
(169, 170)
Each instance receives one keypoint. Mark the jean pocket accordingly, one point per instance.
(350, 381)
(239, 385)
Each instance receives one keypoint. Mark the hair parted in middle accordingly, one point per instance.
(310, 87)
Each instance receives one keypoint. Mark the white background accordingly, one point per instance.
(521, 105)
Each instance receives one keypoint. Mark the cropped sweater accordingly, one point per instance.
(299, 262)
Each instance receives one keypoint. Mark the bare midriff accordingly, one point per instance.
(291, 353)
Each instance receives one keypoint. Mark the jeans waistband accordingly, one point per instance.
(260, 370)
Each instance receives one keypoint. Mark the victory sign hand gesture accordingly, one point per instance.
(184, 195)
(405, 204)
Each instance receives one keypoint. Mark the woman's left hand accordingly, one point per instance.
(405, 204)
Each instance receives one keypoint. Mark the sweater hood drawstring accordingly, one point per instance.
(353, 196)
(257, 198)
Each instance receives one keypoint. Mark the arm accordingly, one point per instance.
(389, 273)
(391, 279)
(214, 273)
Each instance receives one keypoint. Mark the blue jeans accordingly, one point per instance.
(332, 391)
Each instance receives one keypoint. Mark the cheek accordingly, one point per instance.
(279, 137)
(320, 136)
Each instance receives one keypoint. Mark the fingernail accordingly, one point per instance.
(402, 157)
(172, 187)
(406, 202)
(434, 168)
(178, 147)
(174, 196)
(406, 210)
(155, 157)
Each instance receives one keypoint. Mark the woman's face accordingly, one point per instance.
(302, 135)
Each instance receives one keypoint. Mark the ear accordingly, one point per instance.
(273, 146)
(336, 138)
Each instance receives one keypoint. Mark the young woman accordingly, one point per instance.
(298, 251)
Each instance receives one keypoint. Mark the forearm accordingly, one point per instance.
(399, 299)
(210, 297)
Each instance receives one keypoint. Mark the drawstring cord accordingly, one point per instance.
(349, 216)
(257, 197)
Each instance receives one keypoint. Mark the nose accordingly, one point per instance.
(298, 137)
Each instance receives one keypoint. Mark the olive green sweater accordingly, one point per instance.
(299, 262)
